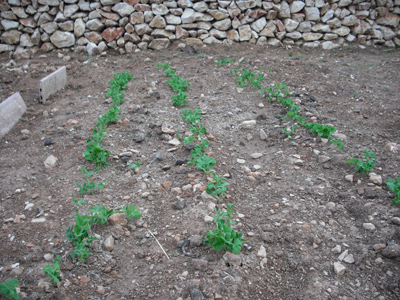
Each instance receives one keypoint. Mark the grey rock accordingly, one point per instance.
(391, 251)
(291, 25)
(174, 20)
(8, 24)
(222, 25)
(296, 6)
(123, 9)
(92, 49)
(258, 25)
(109, 244)
(69, 10)
(79, 27)
(244, 33)
(312, 13)
(285, 10)
(158, 44)
(50, 27)
(10, 37)
(339, 268)
(200, 6)
(95, 25)
(62, 39)
(159, 9)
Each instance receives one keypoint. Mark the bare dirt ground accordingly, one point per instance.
(301, 208)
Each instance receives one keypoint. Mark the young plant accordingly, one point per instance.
(134, 166)
(94, 151)
(131, 211)
(78, 202)
(203, 162)
(53, 271)
(199, 129)
(364, 167)
(89, 184)
(8, 289)
(394, 186)
(191, 116)
(221, 62)
(100, 214)
(217, 187)
(179, 99)
(224, 237)
(289, 132)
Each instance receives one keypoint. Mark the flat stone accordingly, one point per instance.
(296, 6)
(109, 244)
(391, 251)
(50, 162)
(339, 268)
(250, 123)
(369, 226)
(256, 155)
(262, 252)
(123, 9)
(117, 218)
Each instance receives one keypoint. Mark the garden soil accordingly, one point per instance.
(314, 228)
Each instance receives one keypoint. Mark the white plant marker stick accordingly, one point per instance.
(159, 244)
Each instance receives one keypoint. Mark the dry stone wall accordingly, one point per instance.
(134, 25)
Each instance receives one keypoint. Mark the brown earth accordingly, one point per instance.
(300, 208)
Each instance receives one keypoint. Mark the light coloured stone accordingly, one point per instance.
(50, 162)
(312, 36)
(312, 13)
(223, 24)
(159, 44)
(259, 24)
(339, 268)
(262, 252)
(374, 178)
(369, 226)
(290, 25)
(342, 31)
(296, 6)
(285, 10)
(109, 244)
(200, 6)
(123, 9)
(269, 29)
(79, 27)
(174, 20)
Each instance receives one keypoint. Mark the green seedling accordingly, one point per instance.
(188, 140)
(78, 202)
(178, 84)
(199, 129)
(94, 151)
(8, 289)
(289, 132)
(364, 167)
(203, 162)
(221, 62)
(100, 214)
(394, 186)
(191, 116)
(290, 54)
(89, 185)
(224, 237)
(179, 99)
(111, 116)
(217, 187)
(249, 77)
(131, 212)
(53, 271)
(134, 166)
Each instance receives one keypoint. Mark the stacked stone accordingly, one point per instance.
(134, 25)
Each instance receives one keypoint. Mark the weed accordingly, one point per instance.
(78, 202)
(364, 167)
(178, 84)
(221, 62)
(201, 54)
(198, 129)
(53, 271)
(8, 289)
(135, 165)
(217, 187)
(110, 117)
(289, 132)
(89, 184)
(394, 186)
(387, 88)
(224, 237)
(290, 54)
(100, 214)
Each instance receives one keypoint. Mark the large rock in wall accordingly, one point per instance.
(134, 25)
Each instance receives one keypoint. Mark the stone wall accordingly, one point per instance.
(133, 25)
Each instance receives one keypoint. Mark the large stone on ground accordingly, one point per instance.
(62, 39)
(159, 44)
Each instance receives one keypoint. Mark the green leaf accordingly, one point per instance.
(131, 211)
(8, 288)
(52, 272)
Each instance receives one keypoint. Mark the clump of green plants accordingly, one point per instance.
(279, 92)
(94, 151)
(191, 116)
(53, 271)
(394, 186)
(89, 185)
(223, 61)
(247, 77)
(134, 166)
(217, 187)
(364, 167)
(79, 233)
(178, 85)
(224, 237)
(8, 289)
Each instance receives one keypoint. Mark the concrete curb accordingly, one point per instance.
(11, 111)
(52, 83)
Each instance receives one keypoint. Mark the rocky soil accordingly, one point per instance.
(314, 229)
